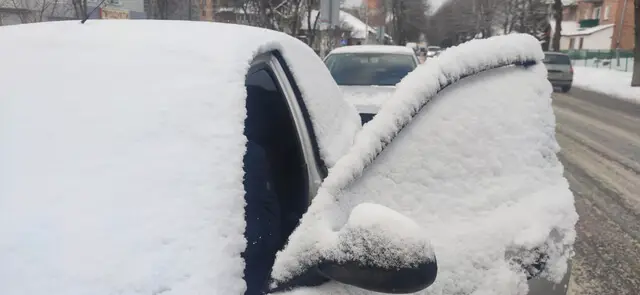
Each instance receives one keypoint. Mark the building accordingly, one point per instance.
(206, 10)
(598, 24)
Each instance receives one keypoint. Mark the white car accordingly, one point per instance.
(168, 157)
(433, 51)
(368, 74)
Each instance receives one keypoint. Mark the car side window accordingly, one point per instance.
(270, 124)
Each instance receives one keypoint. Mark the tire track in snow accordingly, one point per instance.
(601, 154)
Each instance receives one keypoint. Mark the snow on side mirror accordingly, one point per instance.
(381, 250)
(378, 249)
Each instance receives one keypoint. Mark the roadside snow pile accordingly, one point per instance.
(605, 81)
(476, 168)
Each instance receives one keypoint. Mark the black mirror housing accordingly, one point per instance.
(378, 249)
(393, 280)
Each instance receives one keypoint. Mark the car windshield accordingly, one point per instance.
(382, 69)
(557, 59)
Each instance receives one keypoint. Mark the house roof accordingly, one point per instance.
(587, 31)
(347, 21)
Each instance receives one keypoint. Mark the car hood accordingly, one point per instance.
(367, 99)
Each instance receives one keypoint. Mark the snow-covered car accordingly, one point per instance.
(433, 51)
(127, 167)
(368, 74)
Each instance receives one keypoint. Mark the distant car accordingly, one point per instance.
(560, 71)
(367, 74)
(433, 51)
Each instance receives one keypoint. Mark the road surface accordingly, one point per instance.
(600, 140)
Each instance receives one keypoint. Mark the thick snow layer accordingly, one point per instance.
(390, 49)
(122, 153)
(476, 168)
(609, 82)
(372, 225)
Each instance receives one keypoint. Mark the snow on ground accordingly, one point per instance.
(626, 64)
(610, 82)
(476, 168)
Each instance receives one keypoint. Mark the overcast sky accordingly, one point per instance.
(351, 3)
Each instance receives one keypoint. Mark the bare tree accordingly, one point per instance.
(312, 17)
(170, 9)
(31, 11)
(525, 16)
(3, 4)
(408, 19)
(557, 15)
(281, 15)
(635, 79)
(457, 21)
(453, 23)
(80, 8)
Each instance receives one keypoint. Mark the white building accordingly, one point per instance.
(359, 31)
(594, 38)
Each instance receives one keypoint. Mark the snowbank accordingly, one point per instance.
(475, 166)
(609, 82)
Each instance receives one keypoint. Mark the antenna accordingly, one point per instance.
(90, 13)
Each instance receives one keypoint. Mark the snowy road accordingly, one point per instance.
(600, 140)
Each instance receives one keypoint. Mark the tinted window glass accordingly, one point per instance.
(369, 68)
(557, 59)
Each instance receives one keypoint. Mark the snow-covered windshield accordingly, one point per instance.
(369, 68)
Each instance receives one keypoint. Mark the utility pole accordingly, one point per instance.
(190, 10)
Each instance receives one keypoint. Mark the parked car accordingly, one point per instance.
(367, 74)
(560, 70)
(433, 51)
(138, 159)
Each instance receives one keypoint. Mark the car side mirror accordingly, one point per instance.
(379, 250)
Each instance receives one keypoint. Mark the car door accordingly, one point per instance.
(466, 149)
(278, 121)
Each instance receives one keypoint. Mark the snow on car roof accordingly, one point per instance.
(390, 49)
(122, 147)
(474, 165)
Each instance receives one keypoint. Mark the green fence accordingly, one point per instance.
(610, 59)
